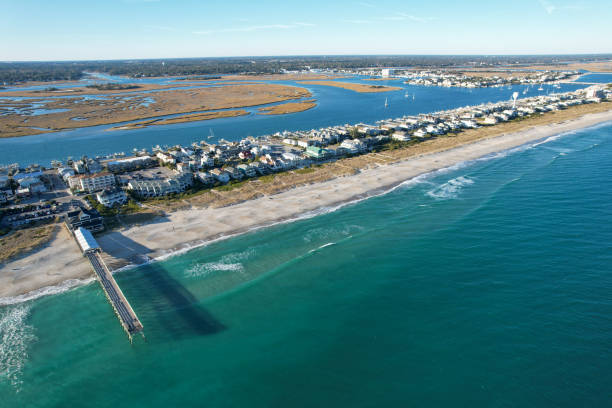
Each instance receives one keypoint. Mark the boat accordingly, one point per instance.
(212, 134)
(406, 95)
(413, 96)
(386, 102)
(540, 88)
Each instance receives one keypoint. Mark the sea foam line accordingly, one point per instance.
(46, 291)
(16, 336)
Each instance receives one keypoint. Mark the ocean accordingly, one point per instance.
(486, 284)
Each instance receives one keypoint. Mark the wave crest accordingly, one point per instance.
(451, 188)
(16, 335)
(47, 290)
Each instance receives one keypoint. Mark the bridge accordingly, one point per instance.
(123, 309)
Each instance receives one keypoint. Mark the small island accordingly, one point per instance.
(361, 88)
(290, 107)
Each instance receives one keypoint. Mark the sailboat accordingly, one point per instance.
(540, 88)
(406, 95)
(386, 102)
(413, 96)
(212, 134)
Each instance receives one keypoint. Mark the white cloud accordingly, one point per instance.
(254, 28)
(411, 17)
(548, 6)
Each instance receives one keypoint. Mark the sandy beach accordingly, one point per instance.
(60, 260)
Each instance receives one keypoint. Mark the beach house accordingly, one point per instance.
(111, 197)
(220, 175)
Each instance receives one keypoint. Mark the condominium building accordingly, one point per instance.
(94, 182)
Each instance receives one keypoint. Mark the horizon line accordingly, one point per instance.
(603, 54)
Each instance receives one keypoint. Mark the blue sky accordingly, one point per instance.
(125, 29)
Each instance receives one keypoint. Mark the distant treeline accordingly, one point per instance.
(112, 87)
(14, 72)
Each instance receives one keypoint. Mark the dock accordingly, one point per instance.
(127, 317)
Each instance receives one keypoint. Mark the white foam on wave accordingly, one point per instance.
(321, 247)
(46, 291)
(202, 270)
(16, 336)
(451, 188)
(231, 262)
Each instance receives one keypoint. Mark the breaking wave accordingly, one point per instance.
(16, 335)
(451, 188)
(321, 247)
(46, 291)
(230, 262)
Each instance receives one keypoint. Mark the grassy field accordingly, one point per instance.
(182, 119)
(361, 88)
(289, 107)
(605, 66)
(122, 108)
(20, 242)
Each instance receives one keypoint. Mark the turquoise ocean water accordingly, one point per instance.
(483, 285)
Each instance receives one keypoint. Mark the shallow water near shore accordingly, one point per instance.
(486, 284)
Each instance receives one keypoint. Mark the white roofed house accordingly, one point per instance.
(469, 123)
(245, 155)
(400, 136)
(207, 161)
(220, 175)
(431, 129)
(420, 133)
(353, 146)
(111, 197)
(154, 188)
(166, 158)
(205, 178)
(79, 166)
(32, 184)
(131, 163)
(260, 167)
(234, 173)
(183, 167)
(292, 159)
(94, 166)
(249, 171)
(490, 120)
(65, 173)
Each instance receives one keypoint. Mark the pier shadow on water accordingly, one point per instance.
(166, 308)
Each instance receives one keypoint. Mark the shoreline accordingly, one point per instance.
(185, 230)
